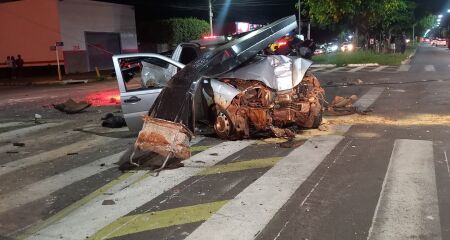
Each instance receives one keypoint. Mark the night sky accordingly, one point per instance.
(256, 11)
(253, 11)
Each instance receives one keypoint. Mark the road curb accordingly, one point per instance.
(345, 65)
(408, 59)
(55, 82)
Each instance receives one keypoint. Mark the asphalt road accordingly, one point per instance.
(384, 175)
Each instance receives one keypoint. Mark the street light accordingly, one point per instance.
(210, 18)
(448, 10)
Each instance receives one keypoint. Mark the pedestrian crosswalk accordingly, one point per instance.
(408, 203)
(370, 69)
(226, 190)
(250, 211)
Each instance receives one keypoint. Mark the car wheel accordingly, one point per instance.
(223, 126)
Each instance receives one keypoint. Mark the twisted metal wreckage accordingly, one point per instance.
(236, 90)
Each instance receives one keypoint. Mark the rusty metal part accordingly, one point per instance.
(283, 132)
(259, 108)
(341, 106)
(165, 138)
(339, 101)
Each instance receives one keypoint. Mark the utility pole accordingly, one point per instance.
(57, 62)
(210, 18)
(299, 18)
(413, 33)
(309, 31)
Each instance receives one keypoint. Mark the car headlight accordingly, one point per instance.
(334, 48)
(350, 47)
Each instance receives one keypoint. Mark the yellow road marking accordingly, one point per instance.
(199, 148)
(158, 219)
(66, 211)
(240, 166)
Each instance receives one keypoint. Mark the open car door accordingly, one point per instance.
(141, 77)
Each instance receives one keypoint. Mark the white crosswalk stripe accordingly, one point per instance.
(54, 154)
(335, 69)
(408, 203)
(378, 68)
(11, 124)
(37, 140)
(21, 132)
(430, 68)
(403, 68)
(369, 98)
(357, 69)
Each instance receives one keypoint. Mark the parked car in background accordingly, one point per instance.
(319, 51)
(438, 42)
(347, 47)
(330, 47)
(425, 40)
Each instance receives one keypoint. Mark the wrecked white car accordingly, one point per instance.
(235, 90)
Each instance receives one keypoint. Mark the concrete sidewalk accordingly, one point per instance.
(53, 80)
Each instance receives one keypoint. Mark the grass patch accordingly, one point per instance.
(360, 57)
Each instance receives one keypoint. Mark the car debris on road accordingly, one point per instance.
(341, 106)
(70, 106)
(112, 121)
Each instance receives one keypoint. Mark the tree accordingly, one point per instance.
(426, 22)
(175, 30)
(360, 15)
(397, 14)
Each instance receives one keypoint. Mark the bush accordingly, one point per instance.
(361, 57)
(176, 30)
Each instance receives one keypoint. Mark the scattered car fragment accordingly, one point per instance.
(71, 107)
(339, 101)
(112, 121)
(342, 105)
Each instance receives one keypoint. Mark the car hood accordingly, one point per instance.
(176, 100)
(278, 72)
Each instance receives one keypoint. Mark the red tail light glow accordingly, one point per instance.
(282, 43)
(104, 98)
(209, 37)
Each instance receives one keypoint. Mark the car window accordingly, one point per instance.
(140, 73)
(188, 54)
